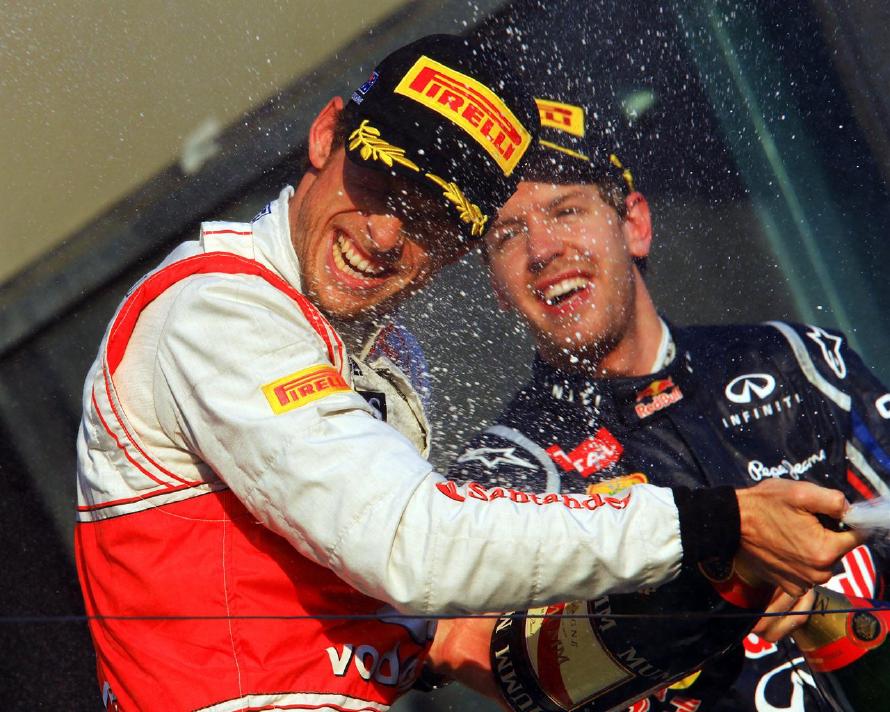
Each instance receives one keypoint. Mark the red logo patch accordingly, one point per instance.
(473, 490)
(592, 455)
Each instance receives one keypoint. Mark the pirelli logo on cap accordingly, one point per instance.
(470, 105)
(303, 387)
(563, 117)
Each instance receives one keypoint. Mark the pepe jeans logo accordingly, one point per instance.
(471, 106)
(758, 471)
(303, 387)
(744, 388)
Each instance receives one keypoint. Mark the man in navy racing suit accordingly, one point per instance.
(620, 396)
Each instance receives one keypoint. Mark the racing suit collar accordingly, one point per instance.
(272, 239)
(616, 392)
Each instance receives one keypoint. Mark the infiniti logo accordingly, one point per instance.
(748, 386)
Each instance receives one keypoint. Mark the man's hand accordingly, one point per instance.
(460, 650)
(774, 628)
(782, 542)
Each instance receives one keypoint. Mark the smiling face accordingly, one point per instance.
(561, 256)
(364, 238)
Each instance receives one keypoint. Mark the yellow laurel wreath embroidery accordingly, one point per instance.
(372, 146)
(469, 212)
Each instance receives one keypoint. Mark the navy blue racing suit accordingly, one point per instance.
(735, 405)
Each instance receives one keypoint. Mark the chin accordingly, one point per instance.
(345, 310)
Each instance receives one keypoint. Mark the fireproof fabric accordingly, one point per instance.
(735, 405)
(234, 485)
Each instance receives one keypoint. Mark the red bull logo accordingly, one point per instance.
(657, 395)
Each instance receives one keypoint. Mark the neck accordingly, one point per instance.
(356, 333)
(296, 202)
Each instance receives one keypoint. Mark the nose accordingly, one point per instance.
(543, 244)
(385, 232)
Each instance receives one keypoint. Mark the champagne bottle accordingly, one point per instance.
(587, 656)
(848, 652)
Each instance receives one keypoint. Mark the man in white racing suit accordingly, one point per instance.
(249, 533)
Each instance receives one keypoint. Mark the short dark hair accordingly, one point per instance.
(550, 166)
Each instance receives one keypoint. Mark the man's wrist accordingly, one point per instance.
(710, 524)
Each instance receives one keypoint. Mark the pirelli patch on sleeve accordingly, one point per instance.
(303, 387)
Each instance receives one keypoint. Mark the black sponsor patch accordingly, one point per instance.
(377, 400)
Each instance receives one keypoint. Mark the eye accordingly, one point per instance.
(567, 211)
(500, 236)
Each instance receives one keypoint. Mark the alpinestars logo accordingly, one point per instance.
(830, 346)
(491, 457)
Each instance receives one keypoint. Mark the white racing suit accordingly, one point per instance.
(237, 500)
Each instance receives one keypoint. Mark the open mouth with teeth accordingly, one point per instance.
(561, 294)
(354, 264)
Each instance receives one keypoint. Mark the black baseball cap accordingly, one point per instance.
(449, 114)
(574, 148)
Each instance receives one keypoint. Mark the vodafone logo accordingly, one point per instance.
(749, 386)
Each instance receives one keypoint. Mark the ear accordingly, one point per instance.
(321, 133)
(638, 225)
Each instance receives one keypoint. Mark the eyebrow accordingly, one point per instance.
(508, 222)
(565, 197)
(555, 203)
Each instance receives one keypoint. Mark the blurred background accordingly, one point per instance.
(759, 131)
